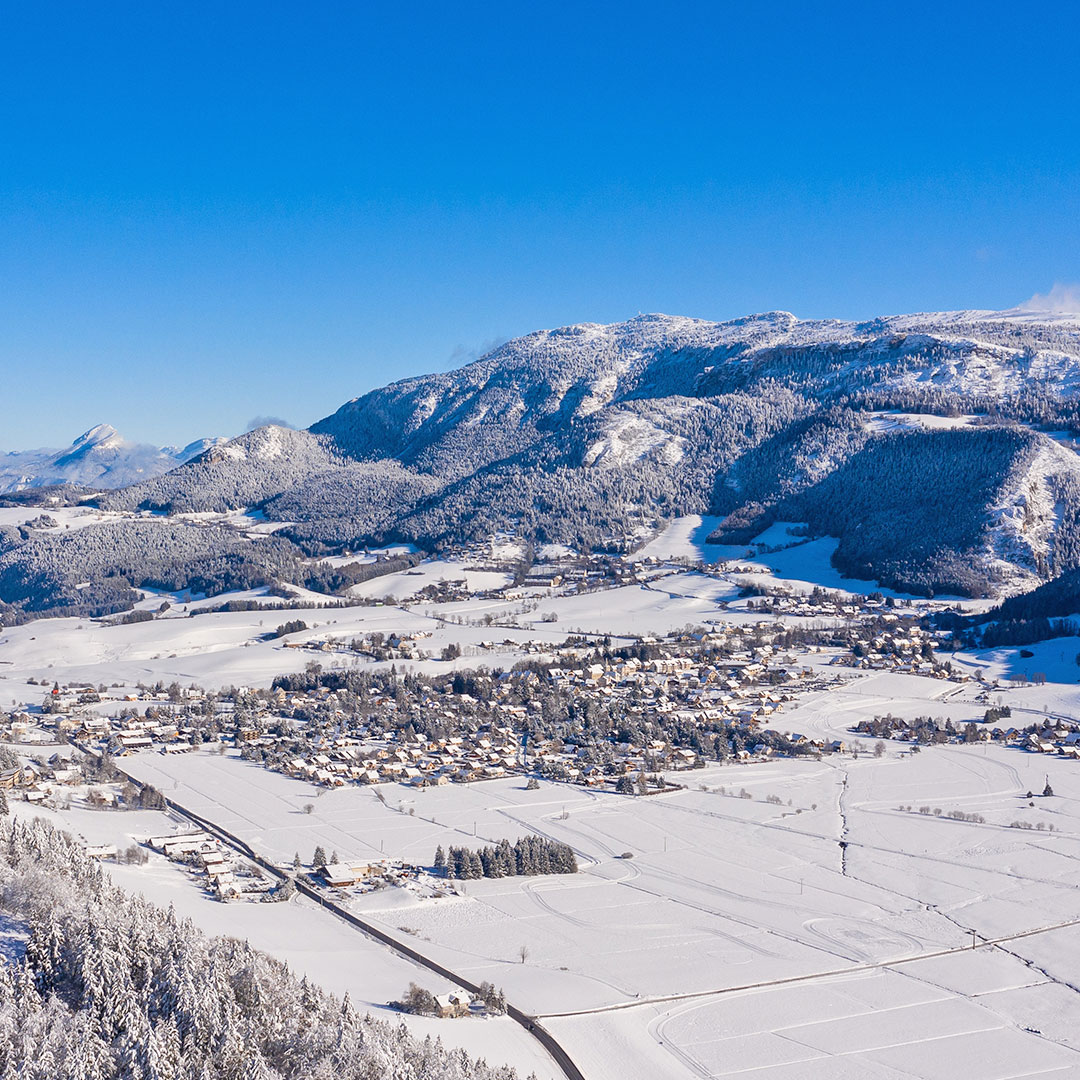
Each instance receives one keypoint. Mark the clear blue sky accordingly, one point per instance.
(210, 212)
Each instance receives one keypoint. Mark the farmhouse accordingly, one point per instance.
(452, 1004)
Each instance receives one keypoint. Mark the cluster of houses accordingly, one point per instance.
(73, 714)
(907, 649)
(35, 782)
(418, 761)
(716, 678)
(70, 697)
(573, 575)
(203, 855)
(723, 675)
(741, 685)
(129, 734)
(744, 688)
(1062, 739)
(392, 646)
(1058, 737)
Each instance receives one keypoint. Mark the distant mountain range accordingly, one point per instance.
(937, 448)
(100, 457)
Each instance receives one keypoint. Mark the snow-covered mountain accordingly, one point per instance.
(100, 457)
(593, 434)
(559, 376)
(938, 449)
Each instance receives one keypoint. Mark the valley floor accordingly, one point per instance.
(740, 938)
(791, 919)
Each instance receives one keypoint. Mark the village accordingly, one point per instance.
(461, 729)
(343, 766)
(585, 712)
(625, 716)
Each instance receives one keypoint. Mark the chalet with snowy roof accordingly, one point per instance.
(452, 1004)
(100, 851)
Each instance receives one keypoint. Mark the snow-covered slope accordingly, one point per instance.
(557, 376)
(936, 447)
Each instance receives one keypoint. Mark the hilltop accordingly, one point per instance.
(937, 448)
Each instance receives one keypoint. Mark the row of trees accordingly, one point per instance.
(528, 856)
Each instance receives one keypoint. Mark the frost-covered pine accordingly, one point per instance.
(111, 988)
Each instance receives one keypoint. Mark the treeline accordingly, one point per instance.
(910, 509)
(47, 495)
(111, 988)
(1048, 611)
(98, 565)
(1055, 599)
(95, 570)
(528, 856)
(1027, 631)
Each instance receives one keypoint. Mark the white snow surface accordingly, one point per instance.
(731, 898)
(801, 958)
(311, 940)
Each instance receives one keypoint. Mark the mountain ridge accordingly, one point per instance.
(937, 448)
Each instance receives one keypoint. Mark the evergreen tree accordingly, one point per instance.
(527, 856)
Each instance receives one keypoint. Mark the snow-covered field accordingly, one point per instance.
(726, 900)
(405, 583)
(797, 564)
(687, 538)
(66, 517)
(231, 648)
(739, 938)
(312, 941)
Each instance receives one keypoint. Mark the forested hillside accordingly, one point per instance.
(109, 987)
(938, 450)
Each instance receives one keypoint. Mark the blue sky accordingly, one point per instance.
(215, 212)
